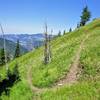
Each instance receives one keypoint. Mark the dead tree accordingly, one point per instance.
(4, 44)
(46, 59)
(47, 52)
(49, 37)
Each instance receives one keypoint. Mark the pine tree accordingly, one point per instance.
(78, 25)
(2, 57)
(70, 30)
(16, 72)
(59, 33)
(64, 32)
(86, 14)
(17, 51)
(9, 73)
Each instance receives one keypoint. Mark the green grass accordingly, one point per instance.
(64, 49)
(90, 57)
(20, 91)
(80, 91)
(63, 52)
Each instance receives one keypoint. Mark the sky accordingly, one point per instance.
(29, 16)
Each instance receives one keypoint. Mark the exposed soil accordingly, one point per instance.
(69, 79)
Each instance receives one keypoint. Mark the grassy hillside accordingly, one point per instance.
(63, 54)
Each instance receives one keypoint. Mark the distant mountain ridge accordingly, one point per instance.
(29, 41)
(11, 46)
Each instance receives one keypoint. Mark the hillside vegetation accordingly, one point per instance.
(45, 77)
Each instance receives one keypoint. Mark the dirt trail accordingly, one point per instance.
(29, 79)
(72, 75)
(69, 79)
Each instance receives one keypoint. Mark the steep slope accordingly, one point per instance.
(74, 70)
(28, 41)
(82, 44)
(88, 85)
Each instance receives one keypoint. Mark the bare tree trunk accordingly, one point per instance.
(50, 54)
(4, 46)
(47, 50)
(46, 59)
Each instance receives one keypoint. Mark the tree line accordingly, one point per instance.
(85, 17)
(4, 55)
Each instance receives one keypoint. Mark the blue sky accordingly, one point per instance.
(28, 16)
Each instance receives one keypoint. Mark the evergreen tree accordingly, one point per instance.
(2, 57)
(16, 72)
(78, 25)
(17, 51)
(70, 30)
(9, 73)
(85, 16)
(64, 32)
(59, 33)
(8, 57)
(4, 60)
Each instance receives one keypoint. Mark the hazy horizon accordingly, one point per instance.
(29, 16)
